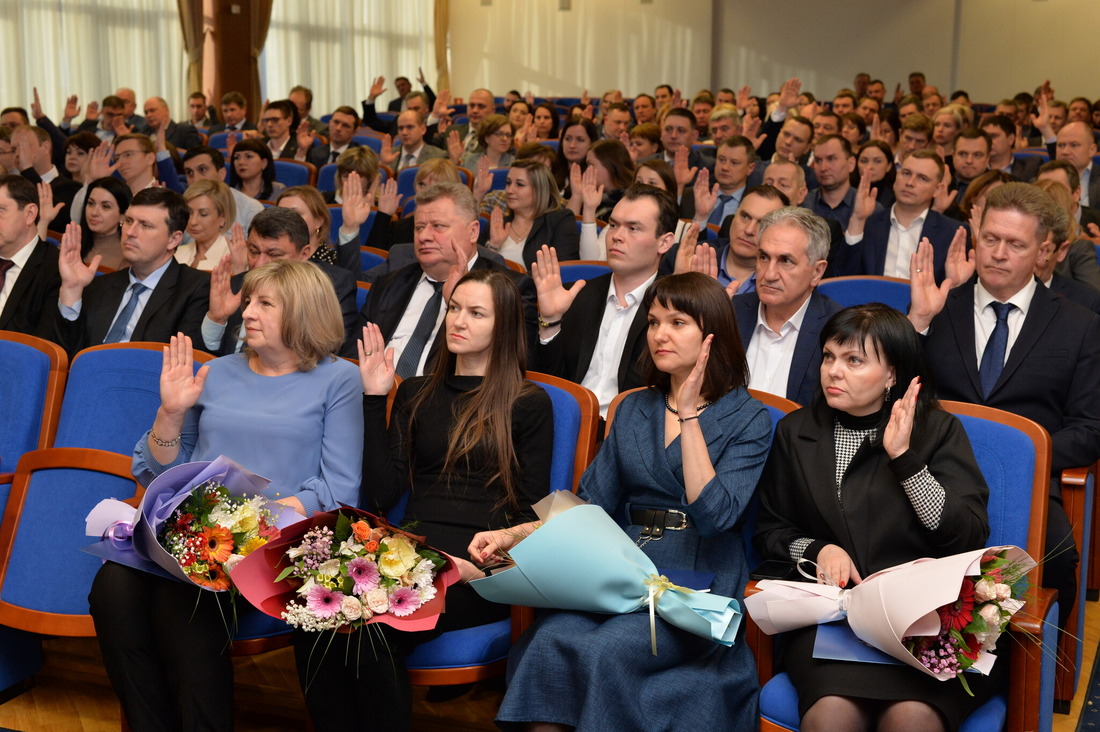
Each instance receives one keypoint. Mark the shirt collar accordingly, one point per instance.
(1022, 298)
(918, 220)
(20, 258)
(634, 296)
(153, 279)
(793, 324)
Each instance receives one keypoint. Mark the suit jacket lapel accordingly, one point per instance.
(102, 314)
(27, 274)
(627, 361)
(161, 296)
(878, 231)
(817, 458)
(806, 344)
(959, 312)
(1039, 314)
(586, 344)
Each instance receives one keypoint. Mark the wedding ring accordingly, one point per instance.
(370, 353)
(919, 271)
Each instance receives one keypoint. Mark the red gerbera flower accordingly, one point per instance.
(217, 544)
(214, 577)
(957, 615)
(972, 648)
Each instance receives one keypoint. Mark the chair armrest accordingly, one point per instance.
(761, 644)
(1076, 477)
(6, 478)
(1026, 688)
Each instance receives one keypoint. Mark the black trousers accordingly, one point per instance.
(166, 648)
(1060, 564)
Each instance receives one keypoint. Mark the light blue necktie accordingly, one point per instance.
(118, 329)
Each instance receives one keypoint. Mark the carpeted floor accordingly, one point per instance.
(1090, 712)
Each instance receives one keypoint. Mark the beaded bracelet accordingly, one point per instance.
(163, 443)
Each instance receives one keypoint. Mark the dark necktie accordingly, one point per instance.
(414, 349)
(410, 159)
(716, 216)
(118, 329)
(993, 359)
(332, 156)
(5, 265)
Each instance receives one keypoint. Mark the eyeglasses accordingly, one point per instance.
(501, 134)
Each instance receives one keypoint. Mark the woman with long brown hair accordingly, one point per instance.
(470, 443)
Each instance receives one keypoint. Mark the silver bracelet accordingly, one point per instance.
(163, 443)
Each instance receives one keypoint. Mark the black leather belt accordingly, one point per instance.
(655, 521)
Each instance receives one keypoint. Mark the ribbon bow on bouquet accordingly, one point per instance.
(555, 570)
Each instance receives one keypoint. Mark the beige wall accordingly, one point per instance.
(602, 44)
(598, 44)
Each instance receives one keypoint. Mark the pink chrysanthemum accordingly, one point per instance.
(404, 601)
(323, 602)
(364, 573)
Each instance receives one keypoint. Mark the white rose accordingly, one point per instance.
(991, 614)
(351, 608)
(985, 590)
(378, 601)
(233, 561)
(1004, 592)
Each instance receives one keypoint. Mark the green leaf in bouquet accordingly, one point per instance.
(347, 585)
(434, 556)
(343, 527)
(287, 571)
(977, 624)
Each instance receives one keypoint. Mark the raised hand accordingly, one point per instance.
(160, 141)
(304, 136)
(554, 299)
(926, 298)
(388, 198)
(357, 203)
(960, 264)
(483, 182)
(231, 141)
(944, 197)
(706, 196)
(93, 111)
(895, 438)
(897, 94)
(1041, 118)
(687, 249)
(576, 179)
(180, 386)
(455, 147)
(75, 275)
(864, 205)
(585, 99)
(743, 95)
(420, 77)
(498, 230)
(223, 301)
(36, 106)
(591, 194)
(680, 169)
(976, 219)
(72, 108)
(688, 397)
(788, 93)
(876, 128)
(751, 130)
(389, 154)
(529, 97)
(118, 124)
(238, 249)
(441, 108)
(47, 210)
(98, 163)
(375, 362)
(705, 260)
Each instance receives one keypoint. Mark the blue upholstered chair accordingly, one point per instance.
(500, 178)
(295, 173)
(1014, 456)
(326, 178)
(32, 382)
(219, 140)
(369, 258)
(112, 396)
(473, 654)
(582, 269)
(371, 141)
(362, 294)
(863, 289)
(336, 215)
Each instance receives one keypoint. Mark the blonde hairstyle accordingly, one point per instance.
(361, 160)
(956, 112)
(315, 202)
(546, 195)
(312, 325)
(219, 194)
(442, 170)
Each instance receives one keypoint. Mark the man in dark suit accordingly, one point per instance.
(234, 114)
(404, 88)
(786, 135)
(341, 128)
(969, 160)
(408, 304)
(276, 233)
(34, 158)
(781, 321)
(1076, 260)
(734, 162)
(1077, 145)
(881, 243)
(29, 280)
(479, 106)
(302, 98)
(1005, 341)
(1002, 136)
(1074, 291)
(593, 333)
(151, 300)
(157, 115)
(678, 133)
(283, 131)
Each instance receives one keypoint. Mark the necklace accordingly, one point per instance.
(700, 408)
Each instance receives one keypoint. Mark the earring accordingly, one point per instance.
(887, 395)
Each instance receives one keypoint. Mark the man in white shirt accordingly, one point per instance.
(342, 126)
(278, 123)
(29, 278)
(1077, 145)
(34, 158)
(594, 332)
(411, 149)
(781, 321)
(881, 243)
(1004, 341)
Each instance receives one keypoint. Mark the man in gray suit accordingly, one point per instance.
(411, 149)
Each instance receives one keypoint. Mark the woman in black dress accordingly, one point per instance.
(872, 475)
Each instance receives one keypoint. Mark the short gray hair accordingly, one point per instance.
(816, 229)
(458, 193)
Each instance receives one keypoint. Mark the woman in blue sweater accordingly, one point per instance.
(285, 408)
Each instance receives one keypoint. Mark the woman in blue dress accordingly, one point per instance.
(683, 457)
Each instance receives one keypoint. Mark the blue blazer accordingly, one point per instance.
(805, 377)
(869, 256)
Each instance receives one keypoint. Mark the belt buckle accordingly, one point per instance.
(683, 520)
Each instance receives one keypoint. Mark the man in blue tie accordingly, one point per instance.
(734, 162)
(152, 299)
(1004, 341)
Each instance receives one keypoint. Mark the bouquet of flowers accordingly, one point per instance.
(971, 625)
(940, 616)
(345, 569)
(194, 523)
(554, 570)
(211, 531)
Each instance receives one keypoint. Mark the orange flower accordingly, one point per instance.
(214, 577)
(372, 546)
(362, 530)
(217, 544)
